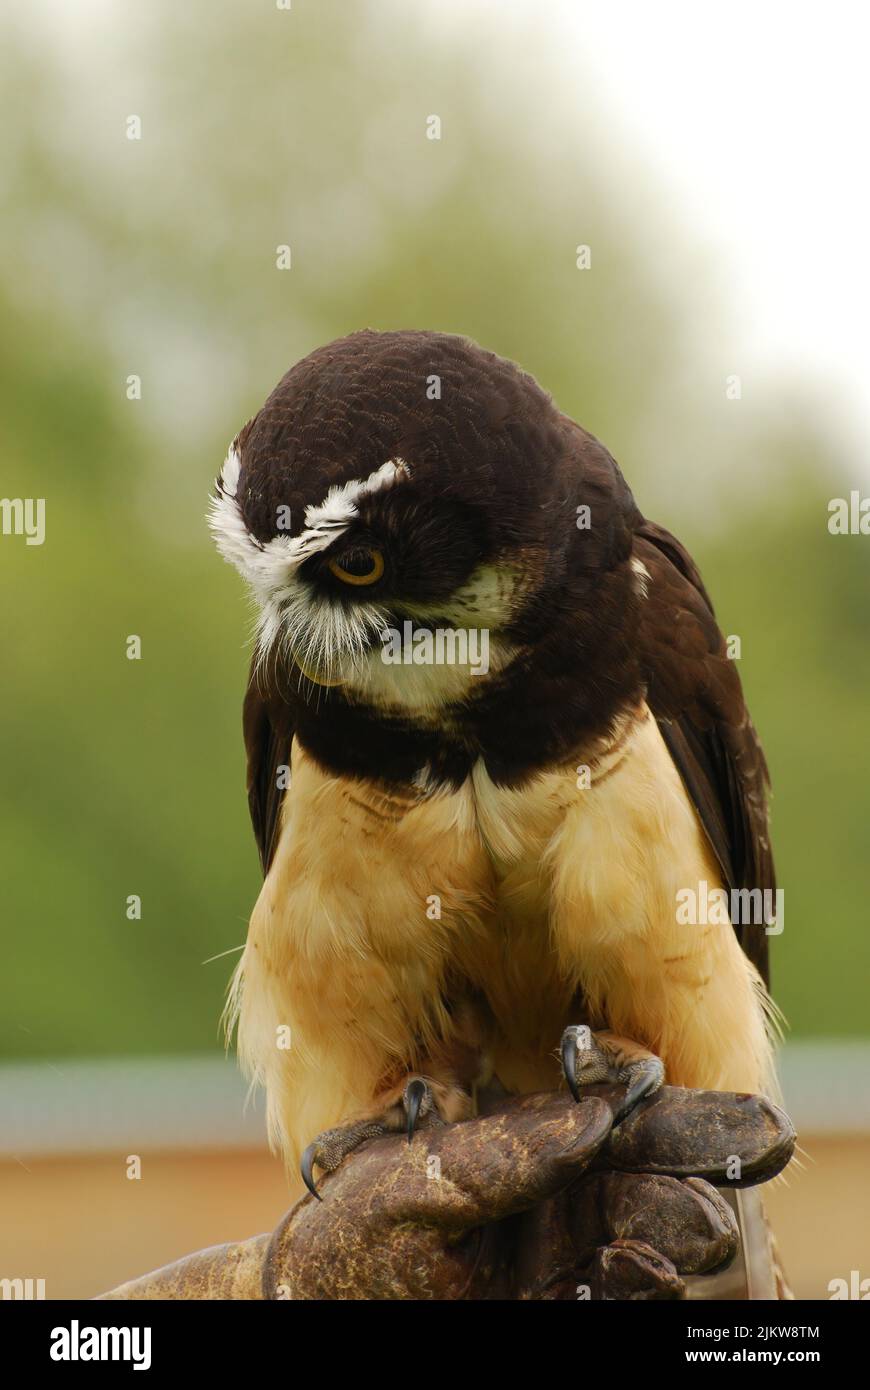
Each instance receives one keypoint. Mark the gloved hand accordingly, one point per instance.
(535, 1199)
(645, 1212)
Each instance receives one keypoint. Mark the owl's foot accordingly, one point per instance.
(589, 1058)
(420, 1099)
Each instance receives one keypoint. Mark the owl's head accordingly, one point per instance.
(411, 478)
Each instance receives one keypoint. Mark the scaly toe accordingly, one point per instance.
(584, 1062)
(329, 1150)
(642, 1078)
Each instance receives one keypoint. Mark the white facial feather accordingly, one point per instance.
(330, 641)
(324, 636)
(264, 564)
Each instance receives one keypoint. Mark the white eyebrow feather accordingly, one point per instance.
(339, 506)
(267, 564)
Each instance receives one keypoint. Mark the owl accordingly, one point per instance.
(510, 805)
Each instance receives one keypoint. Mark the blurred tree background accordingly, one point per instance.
(157, 257)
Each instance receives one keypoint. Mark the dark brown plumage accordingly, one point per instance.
(478, 870)
(496, 451)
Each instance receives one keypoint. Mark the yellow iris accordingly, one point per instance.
(370, 576)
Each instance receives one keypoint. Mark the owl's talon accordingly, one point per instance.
(309, 1158)
(569, 1050)
(590, 1058)
(329, 1150)
(417, 1100)
(644, 1078)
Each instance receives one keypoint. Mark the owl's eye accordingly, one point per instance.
(361, 566)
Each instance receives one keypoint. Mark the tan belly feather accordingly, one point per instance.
(382, 912)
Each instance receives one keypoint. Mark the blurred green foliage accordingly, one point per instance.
(158, 257)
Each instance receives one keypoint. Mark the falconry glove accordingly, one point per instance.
(540, 1198)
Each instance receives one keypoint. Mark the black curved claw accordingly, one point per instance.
(414, 1094)
(569, 1061)
(309, 1158)
(648, 1079)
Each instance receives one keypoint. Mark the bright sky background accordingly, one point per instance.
(753, 117)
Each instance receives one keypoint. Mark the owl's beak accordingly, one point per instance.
(313, 674)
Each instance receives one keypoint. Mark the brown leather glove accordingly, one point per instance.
(535, 1199)
(646, 1213)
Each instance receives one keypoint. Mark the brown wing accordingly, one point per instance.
(695, 694)
(268, 728)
